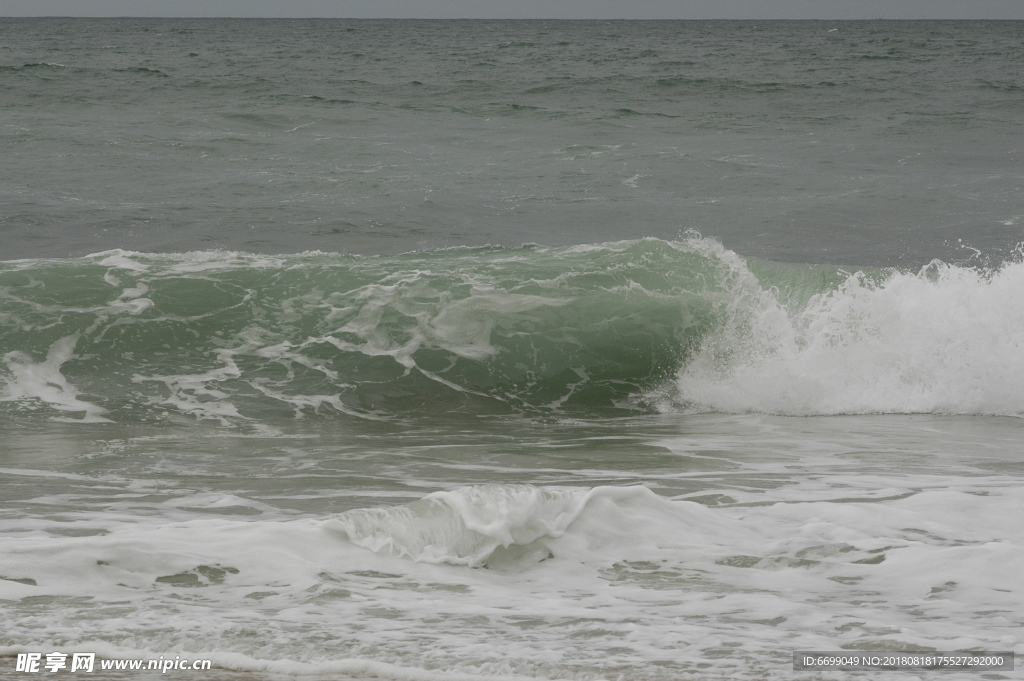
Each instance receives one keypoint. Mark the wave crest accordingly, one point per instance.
(946, 339)
(466, 526)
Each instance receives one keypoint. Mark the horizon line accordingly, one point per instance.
(388, 18)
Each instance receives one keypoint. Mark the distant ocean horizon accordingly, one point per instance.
(469, 349)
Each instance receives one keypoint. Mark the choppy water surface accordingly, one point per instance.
(845, 142)
(252, 412)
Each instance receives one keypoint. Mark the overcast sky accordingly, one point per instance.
(524, 9)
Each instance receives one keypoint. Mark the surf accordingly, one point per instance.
(625, 327)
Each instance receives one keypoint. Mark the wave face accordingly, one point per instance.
(232, 336)
(637, 325)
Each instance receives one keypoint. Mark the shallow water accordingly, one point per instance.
(646, 546)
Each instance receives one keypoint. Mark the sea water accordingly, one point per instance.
(521, 350)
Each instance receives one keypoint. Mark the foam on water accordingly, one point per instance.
(628, 577)
(44, 382)
(947, 339)
(465, 526)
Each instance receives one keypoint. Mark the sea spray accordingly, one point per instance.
(945, 339)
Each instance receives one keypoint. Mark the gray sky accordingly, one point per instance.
(539, 9)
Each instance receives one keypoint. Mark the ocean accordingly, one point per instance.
(468, 350)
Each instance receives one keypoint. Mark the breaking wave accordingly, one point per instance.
(586, 330)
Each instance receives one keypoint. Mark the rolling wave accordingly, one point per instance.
(608, 328)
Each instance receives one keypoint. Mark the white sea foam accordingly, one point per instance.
(947, 339)
(627, 576)
(43, 381)
(465, 526)
(193, 394)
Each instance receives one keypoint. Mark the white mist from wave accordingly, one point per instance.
(947, 339)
